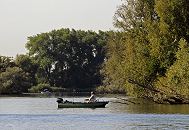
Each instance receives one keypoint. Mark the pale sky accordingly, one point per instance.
(22, 18)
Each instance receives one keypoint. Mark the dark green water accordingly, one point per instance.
(22, 113)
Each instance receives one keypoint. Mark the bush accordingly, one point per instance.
(40, 87)
(57, 89)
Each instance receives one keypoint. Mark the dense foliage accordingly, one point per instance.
(40, 88)
(150, 54)
(61, 58)
(14, 81)
(68, 58)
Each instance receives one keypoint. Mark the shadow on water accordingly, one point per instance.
(148, 107)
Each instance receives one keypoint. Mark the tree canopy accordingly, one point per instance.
(68, 58)
(150, 52)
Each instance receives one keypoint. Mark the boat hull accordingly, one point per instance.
(82, 104)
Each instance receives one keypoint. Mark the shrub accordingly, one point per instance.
(40, 87)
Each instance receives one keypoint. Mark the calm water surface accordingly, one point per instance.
(23, 113)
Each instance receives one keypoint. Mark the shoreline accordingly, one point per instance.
(64, 94)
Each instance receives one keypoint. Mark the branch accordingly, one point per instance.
(143, 86)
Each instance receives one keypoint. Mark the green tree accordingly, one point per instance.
(28, 65)
(14, 81)
(132, 61)
(175, 83)
(133, 14)
(174, 17)
(68, 58)
(148, 59)
(5, 62)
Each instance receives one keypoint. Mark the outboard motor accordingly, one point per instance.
(59, 100)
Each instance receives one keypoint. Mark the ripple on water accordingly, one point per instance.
(42, 114)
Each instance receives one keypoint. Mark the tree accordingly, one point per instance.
(175, 83)
(14, 81)
(5, 62)
(174, 17)
(133, 14)
(68, 58)
(132, 58)
(28, 65)
(151, 31)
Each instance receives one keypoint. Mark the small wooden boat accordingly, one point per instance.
(69, 104)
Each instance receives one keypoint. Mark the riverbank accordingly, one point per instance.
(63, 94)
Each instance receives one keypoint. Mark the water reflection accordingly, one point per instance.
(147, 107)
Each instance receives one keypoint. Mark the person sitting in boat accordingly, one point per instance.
(92, 97)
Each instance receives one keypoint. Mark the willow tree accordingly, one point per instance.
(173, 26)
(174, 84)
(136, 65)
(151, 31)
(165, 34)
(174, 17)
(114, 75)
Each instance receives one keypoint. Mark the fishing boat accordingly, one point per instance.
(70, 104)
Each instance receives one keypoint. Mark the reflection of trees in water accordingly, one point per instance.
(146, 107)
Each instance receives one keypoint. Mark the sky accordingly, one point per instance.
(20, 19)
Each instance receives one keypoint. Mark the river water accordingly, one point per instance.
(26, 113)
